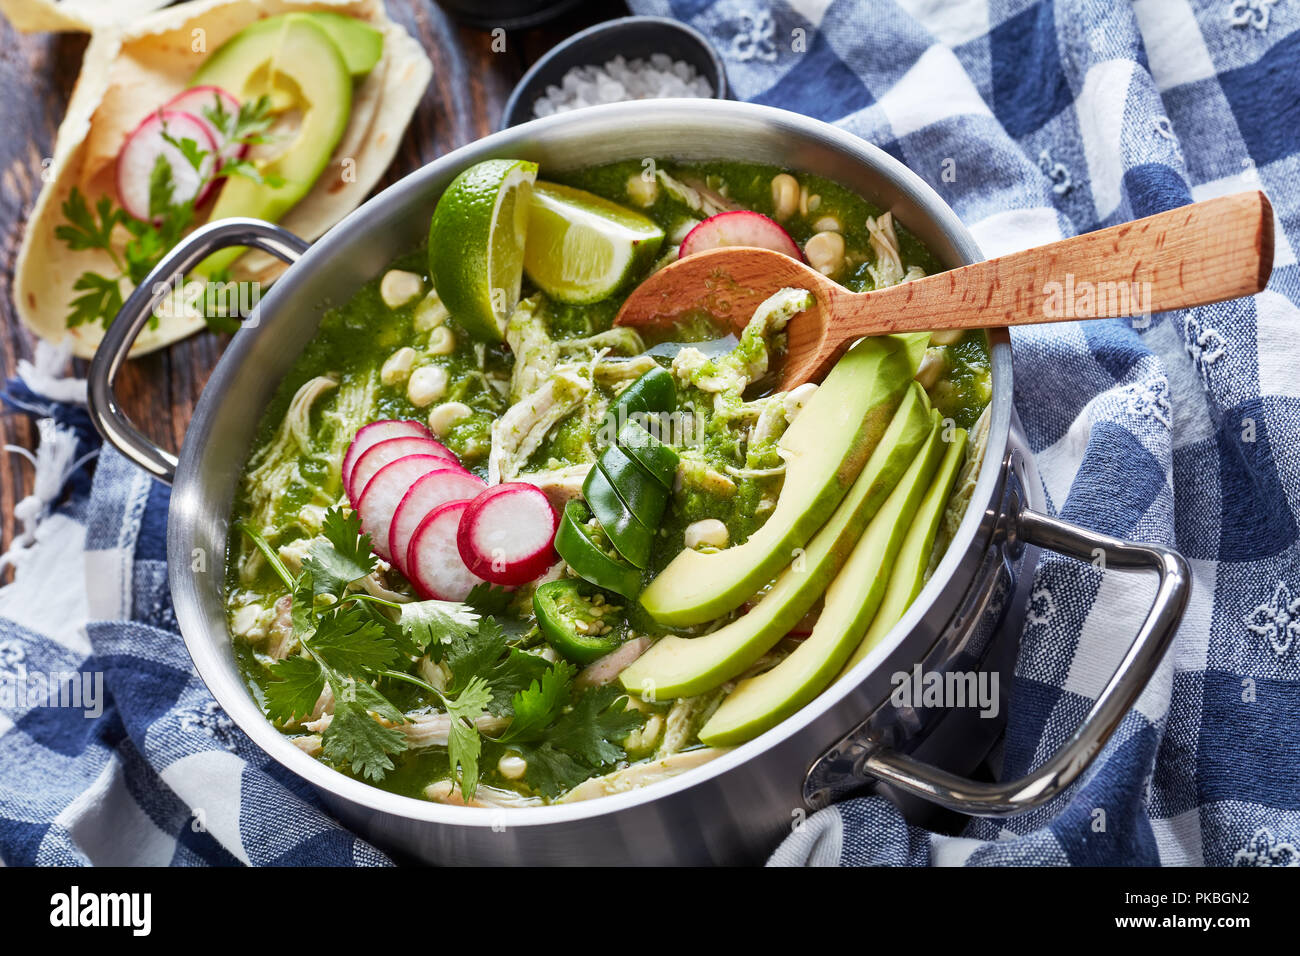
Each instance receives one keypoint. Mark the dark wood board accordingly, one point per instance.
(464, 101)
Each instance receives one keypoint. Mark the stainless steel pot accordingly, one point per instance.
(736, 808)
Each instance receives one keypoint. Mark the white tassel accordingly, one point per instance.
(44, 374)
(54, 463)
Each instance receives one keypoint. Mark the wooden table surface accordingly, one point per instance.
(37, 72)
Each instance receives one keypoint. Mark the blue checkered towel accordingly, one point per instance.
(1034, 120)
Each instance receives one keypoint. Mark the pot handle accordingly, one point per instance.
(859, 755)
(109, 419)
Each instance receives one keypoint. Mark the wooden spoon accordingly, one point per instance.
(1194, 255)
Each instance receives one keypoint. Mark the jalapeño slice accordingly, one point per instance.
(589, 557)
(577, 620)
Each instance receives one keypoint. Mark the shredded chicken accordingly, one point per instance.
(888, 267)
(444, 791)
(726, 376)
(434, 730)
(621, 340)
(685, 717)
(605, 669)
(561, 485)
(521, 430)
(642, 774)
(536, 354)
(699, 197)
(617, 371)
(276, 466)
(692, 472)
(310, 744)
(281, 640)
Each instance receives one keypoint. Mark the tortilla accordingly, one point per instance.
(129, 71)
(37, 16)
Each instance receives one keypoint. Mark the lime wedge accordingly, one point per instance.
(476, 244)
(582, 248)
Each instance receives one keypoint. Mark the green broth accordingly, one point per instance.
(356, 338)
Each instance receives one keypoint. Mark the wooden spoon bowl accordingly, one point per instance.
(1195, 255)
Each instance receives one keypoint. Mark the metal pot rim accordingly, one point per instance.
(240, 705)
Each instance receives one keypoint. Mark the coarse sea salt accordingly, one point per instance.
(620, 80)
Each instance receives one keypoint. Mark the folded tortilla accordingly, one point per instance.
(131, 70)
(82, 16)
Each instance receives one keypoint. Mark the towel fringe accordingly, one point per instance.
(55, 458)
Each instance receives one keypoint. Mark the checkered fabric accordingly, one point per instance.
(1034, 120)
(1037, 120)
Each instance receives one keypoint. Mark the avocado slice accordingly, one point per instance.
(824, 450)
(760, 703)
(360, 43)
(683, 667)
(908, 576)
(293, 61)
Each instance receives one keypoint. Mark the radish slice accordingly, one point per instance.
(201, 101)
(142, 150)
(384, 492)
(429, 492)
(507, 533)
(370, 435)
(437, 570)
(740, 227)
(388, 451)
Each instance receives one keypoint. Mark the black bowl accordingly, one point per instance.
(634, 38)
(507, 14)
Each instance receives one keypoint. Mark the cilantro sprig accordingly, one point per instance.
(145, 243)
(350, 645)
(361, 646)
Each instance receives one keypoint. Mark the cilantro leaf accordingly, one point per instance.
(488, 598)
(355, 739)
(551, 772)
(470, 655)
(431, 624)
(537, 705)
(101, 302)
(294, 693)
(83, 230)
(192, 152)
(514, 673)
(463, 741)
(599, 718)
(343, 557)
(162, 187)
(488, 654)
(353, 643)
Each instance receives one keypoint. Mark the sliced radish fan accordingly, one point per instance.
(428, 493)
(385, 452)
(436, 567)
(370, 435)
(385, 491)
(147, 144)
(507, 534)
(739, 227)
(203, 102)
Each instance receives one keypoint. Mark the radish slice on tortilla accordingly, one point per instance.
(429, 492)
(370, 435)
(385, 491)
(507, 533)
(740, 227)
(146, 145)
(202, 101)
(436, 567)
(368, 465)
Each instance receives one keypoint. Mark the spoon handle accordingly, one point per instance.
(1207, 252)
